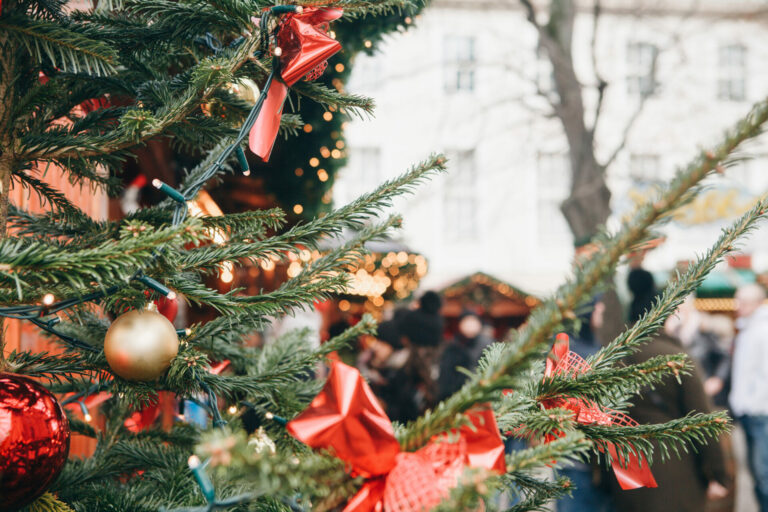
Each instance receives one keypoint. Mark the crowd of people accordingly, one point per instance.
(413, 364)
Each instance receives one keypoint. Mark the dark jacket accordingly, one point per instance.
(682, 481)
(460, 352)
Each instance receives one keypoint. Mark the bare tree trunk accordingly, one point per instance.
(588, 206)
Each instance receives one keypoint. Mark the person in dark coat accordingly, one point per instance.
(685, 482)
(421, 331)
(463, 351)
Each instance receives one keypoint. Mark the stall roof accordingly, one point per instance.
(490, 294)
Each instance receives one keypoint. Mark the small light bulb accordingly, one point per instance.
(88, 417)
(278, 51)
(232, 409)
(157, 183)
(269, 416)
(247, 172)
(193, 461)
(171, 295)
(48, 299)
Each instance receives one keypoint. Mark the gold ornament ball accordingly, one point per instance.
(140, 345)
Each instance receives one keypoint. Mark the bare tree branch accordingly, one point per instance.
(601, 83)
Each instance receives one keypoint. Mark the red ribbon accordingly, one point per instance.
(306, 46)
(347, 418)
(632, 473)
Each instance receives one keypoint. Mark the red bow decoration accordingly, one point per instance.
(306, 46)
(631, 474)
(347, 418)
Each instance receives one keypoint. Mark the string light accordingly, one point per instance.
(232, 409)
(336, 153)
(314, 161)
(227, 272)
(322, 175)
(299, 172)
(340, 144)
(327, 116)
(367, 43)
(339, 67)
(298, 209)
(325, 152)
(307, 128)
(48, 299)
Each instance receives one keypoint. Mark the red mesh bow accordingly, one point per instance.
(306, 46)
(631, 474)
(346, 417)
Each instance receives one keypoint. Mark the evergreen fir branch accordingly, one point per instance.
(536, 424)
(68, 46)
(533, 339)
(350, 216)
(46, 9)
(48, 195)
(187, 19)
(49, 503)
(675, 293)
(573, 447)
(248, 224)
(42, 365)
(603, 386)
(35, 264)
(474, 485)
(673, 436)
(330, 97)
(55, 227)
(355, 9)
(537, 493)
(138, 124)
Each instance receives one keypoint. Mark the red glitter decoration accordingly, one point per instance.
(34, 440)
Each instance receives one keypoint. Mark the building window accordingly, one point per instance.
(645, 167)
(460, 197)
(363, 171)
(732, 64)
(553, 187)
(641, 68)
(459, 63)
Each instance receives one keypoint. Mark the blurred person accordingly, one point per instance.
(591, 492)
(383, 364)
(700, 337)
(643, 289)
(464, 351)
(686, 481)
(421, 331)
(749, 382)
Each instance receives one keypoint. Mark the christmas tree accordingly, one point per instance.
(78, 90)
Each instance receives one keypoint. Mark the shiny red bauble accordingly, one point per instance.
(34, 440)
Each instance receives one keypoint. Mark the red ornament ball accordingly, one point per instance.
(34, 440)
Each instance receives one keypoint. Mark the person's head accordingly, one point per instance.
(470, 325)
(430, 303)
(748, 298)
(643, 288)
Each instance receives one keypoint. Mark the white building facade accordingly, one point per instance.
(464, 82)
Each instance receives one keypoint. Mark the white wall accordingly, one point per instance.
(519, 234)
